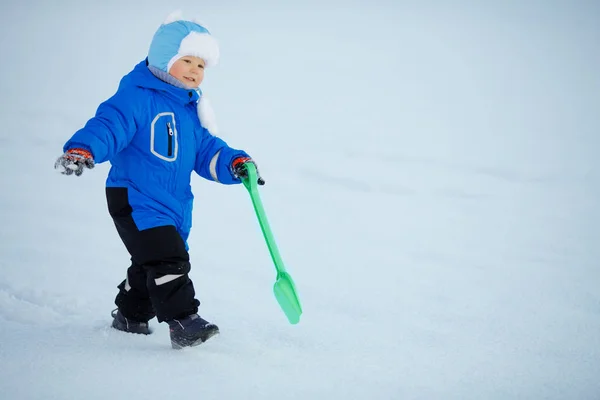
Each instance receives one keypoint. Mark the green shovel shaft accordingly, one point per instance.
(262, 217)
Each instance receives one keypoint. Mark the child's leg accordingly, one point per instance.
(162, 254)
(133, 299)
(158, 253)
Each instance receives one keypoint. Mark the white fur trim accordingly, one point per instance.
(172, 61)
(200, 45)
(207, 116)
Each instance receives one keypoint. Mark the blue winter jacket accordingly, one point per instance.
(151, 134)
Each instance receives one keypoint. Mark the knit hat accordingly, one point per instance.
(177, 38)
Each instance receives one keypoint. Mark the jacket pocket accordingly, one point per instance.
(164, 142)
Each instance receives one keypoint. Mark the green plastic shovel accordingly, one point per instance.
(284, 287)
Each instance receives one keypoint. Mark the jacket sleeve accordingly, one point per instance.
(110, 130)
(214, 158)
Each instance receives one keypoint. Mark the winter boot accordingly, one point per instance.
(191, 331)
(127, 325)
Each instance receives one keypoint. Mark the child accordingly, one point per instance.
(155, 130)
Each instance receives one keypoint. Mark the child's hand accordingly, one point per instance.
(240, 171)
(73, 161)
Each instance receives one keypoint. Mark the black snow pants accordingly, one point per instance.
(157, 282)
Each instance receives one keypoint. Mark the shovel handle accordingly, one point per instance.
(250, 184)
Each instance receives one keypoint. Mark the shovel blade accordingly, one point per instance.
(285, 293)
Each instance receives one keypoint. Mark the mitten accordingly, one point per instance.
(73, 161)
(240, 171)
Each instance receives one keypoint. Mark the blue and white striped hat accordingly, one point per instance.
(177, 38)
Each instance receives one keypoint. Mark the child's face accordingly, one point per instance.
(189, 70)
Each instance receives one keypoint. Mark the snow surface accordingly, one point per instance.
(432, 181)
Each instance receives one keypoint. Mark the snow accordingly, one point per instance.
(432, 183)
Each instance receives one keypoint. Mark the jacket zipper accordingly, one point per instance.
(170, 143)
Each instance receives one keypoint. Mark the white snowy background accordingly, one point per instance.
(432, 181)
